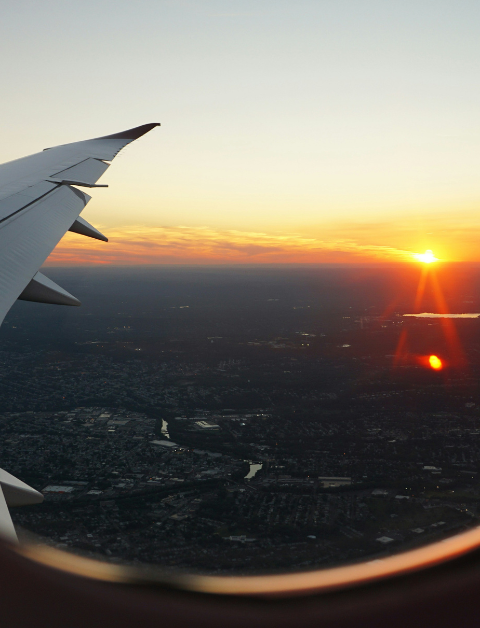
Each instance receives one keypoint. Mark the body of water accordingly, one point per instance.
(164, 429)
(254, 467)
(431, 315)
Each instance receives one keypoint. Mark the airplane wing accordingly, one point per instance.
(39, 202)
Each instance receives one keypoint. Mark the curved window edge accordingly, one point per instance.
(284, 585)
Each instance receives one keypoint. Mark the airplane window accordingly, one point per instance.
(273, 383)
(249, 420)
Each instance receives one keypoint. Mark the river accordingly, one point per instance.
(254, 467)
(164, 429)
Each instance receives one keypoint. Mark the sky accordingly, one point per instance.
(307, 131)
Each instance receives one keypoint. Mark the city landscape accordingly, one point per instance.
(243, 421)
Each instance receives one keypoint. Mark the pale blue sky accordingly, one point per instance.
(275, 115)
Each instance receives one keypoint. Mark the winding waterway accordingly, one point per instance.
(164, 429)
(254, 468)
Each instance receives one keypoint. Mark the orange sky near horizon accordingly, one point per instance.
(132, 245)
(144, 244)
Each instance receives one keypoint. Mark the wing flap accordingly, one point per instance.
(12, 204)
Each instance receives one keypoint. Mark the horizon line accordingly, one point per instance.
(262, 264)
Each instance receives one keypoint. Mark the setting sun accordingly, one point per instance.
(435, 362)
(427, 258)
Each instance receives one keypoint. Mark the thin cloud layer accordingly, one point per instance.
(183, 245)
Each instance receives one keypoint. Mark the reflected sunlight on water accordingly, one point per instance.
(432, 315)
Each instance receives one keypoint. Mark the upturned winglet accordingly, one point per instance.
(130, 134)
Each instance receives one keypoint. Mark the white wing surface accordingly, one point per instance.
(39, 202)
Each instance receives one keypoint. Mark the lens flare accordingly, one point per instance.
(435, 362)
(427, 258)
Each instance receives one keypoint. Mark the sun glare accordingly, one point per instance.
(427, 258)
(435, 362)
